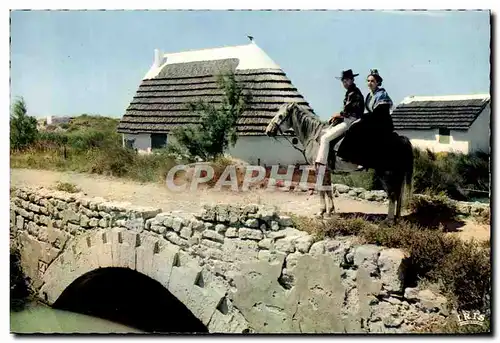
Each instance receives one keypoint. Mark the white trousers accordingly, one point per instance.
(332, 133)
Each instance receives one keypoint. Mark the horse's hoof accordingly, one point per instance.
(319, 215)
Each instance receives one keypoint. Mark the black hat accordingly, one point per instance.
(346, 74)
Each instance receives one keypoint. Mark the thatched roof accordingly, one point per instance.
(451, 112)
(160, 103)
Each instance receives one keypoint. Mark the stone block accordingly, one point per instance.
(252, 222)
(391, 268)
(212, 235)
(246, 233)
(232, 232)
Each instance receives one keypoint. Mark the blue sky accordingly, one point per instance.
(73, 62)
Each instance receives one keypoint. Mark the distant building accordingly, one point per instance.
(453, 123)
(54, 120)
(175, 79)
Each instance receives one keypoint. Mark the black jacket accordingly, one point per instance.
(354, 103)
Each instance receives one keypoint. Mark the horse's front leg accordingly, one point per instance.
(322, 210)
(392, 207)
(401, 192)
(331, 207)
(329, 193)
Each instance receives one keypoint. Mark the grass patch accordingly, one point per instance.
(451, 326)
(67, 187)
(484, 218)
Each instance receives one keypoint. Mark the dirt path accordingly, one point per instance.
(157, 195)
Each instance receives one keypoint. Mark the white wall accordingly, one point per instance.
(429, 139)
(142, 141)
(270, 151)
(53, 120)
(479, 131)
(247, 148)
(476, 138)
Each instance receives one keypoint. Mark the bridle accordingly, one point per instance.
(278, 128)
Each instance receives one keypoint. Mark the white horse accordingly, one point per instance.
(395, 170)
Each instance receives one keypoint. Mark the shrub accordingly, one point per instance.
(151, 167)
(474, 170)
(216, 129)
(450, 326)
(114, 161)
(433, 210)
(484, 218)
(67, 187)
(452, 173)
(466, 271)
(23, 128)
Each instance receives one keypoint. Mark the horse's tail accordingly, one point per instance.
(408, 170)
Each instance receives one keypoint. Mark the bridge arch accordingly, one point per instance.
(101, 253)
(126, 296)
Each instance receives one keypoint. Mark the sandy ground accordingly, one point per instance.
(157, 195)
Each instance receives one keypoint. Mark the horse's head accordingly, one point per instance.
(281, 121)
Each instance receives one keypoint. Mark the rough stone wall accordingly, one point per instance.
(237, 269)
(463, 207)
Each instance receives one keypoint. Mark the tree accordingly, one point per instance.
(23, 130)
(216, 130)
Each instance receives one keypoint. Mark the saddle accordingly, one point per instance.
(346, 149)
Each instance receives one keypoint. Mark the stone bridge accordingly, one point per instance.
(237, 269)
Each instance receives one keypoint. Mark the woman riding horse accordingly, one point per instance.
(368, 136)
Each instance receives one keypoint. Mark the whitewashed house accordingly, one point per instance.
(54, 120)
(454, 123)
(174, 79)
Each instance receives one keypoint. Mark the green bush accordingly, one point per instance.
(451, 173)
(112, 161)
(433, 210)
(23, 128)
(216, 129)
(466, 271)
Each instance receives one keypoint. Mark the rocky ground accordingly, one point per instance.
(157, 195)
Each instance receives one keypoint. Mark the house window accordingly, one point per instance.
(158, 140)
(444, 136)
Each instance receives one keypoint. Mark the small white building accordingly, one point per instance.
(54, 120)
(176, 79)
(453, 123)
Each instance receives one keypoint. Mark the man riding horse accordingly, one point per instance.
(341, 122)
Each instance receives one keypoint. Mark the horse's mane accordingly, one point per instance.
(310, 122)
